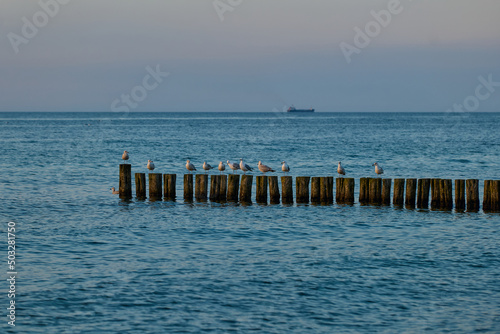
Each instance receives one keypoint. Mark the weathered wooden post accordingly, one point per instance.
(315, 190)
(125, 183)
(472, 194)
(155, 186)
(411, 190)
(246, 189)
(214, 187)
(233, 186)
(459, 195)
(491, 200)
(423, 193)
(188, 187)
(435, 194)
(364, 190)
(339, 190)
(302, 189)
(222, 188)
(386, 191)
(274, 191)
(286, 190)
(169, 186)
(261, 189)
(446, 198)
(375, 191)
(345, 191)
(329, 189)
(200, 191)
(399, 191)
(140, 185)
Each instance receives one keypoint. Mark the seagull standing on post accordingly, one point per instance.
(264, 169)
(378, 169)
(125, 155)
(233, 166)
(206, 166)
(189, 166)
(244, 167)
(222, 167)
(340, 169)
(151, 165)
(284, 167)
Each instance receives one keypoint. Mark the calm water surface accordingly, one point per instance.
(90, 263)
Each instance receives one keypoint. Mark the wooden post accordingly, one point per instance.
(329, 189)
(435, 194)
(302, 189)
(364, 190)
(446, 198)
(169, 186)
(472, 194)
(261, 189)
(155, 186)
(411, 190)
(315, 190)
(495, 195)
(201, 184)
(349, 191)
(274, 191)
(140, 185)
(399, 191)
(486, 197)
(214, 187)
(386, 191)
(459, 195)
(188, 187)
(286, 190)
(222, 188)
(339, 190)
(375, 191)
(323, 189)
(246, 189)
(232, 187)
(125, 183)
(423, 193)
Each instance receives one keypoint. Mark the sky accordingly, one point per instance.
(250, 55)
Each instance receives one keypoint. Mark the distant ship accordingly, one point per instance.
(293, 109)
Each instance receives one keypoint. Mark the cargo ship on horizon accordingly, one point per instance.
(293, 109)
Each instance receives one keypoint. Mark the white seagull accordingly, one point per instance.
(378, 169)
(222, 167)
(244, 167)
(206, 166)
(233, 166)
(113, 191)
(125, 155)
(151, 165)
(340, 169)
(264, 169)
(284, 167)
(189, 166)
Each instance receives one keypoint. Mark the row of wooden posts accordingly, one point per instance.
(411, 193)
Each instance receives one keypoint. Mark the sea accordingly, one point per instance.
(89, 262)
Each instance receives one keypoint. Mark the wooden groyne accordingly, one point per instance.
(436, 194)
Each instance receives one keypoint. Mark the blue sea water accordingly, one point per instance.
(88, 262)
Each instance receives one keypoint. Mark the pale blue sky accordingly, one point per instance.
(264, 55)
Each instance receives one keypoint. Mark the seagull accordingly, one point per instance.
(113, 191)
(284, 167)
(151, 165)
(232, 165)
(125, 155)
(189, 166)
(378, 169)
(222, 167)
(206, 166)
(244, 167)
(340, 169)
(264, 169)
